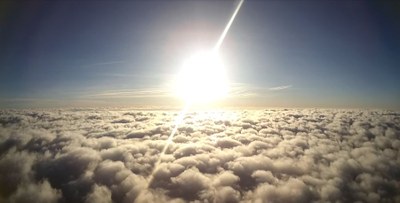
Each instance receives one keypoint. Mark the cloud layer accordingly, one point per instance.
(278, 155)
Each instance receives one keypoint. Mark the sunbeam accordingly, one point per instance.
(222, 37)
(181, 115)
(177, 122)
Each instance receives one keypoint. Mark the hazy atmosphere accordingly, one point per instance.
(199, 101)
(277, 53)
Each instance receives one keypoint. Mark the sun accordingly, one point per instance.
(202, 79)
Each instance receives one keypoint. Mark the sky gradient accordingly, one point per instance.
(278, 53)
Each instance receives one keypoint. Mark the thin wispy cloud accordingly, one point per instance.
(280, 88)
(136, 75)
(241, 90)
(131, 93)
(105, 63)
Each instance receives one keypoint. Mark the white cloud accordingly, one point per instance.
(276, 155)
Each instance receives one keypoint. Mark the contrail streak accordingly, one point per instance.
(222, 37)
(181, 115)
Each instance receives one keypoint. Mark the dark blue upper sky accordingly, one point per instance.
(278, 53)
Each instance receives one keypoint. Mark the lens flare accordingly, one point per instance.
(203, 66)
(178, 121)
(222, 37)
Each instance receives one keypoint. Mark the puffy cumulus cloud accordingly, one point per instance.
(292, 190)
(99, 194)
(276, 155)
(190, 184)
(41, 192)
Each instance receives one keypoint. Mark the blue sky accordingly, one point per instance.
(278, 53)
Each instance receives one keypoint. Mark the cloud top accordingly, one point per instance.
(273, 155)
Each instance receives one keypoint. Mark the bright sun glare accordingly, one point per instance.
(202, 79)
